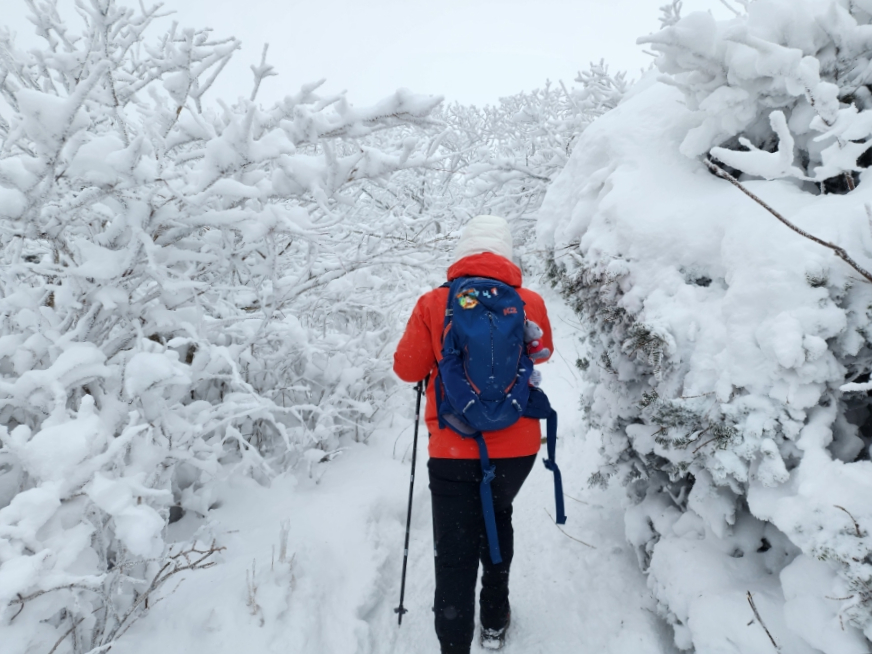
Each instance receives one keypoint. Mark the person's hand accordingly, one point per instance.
(536, 349)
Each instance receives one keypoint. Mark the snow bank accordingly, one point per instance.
(721, 340)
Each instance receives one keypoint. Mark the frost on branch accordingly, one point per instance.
(171, 301)
(493, 160)
(670, 13)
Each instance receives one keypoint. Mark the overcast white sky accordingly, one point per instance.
(473, 51)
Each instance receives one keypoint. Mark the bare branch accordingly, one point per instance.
(760, 620)
(568, 535)
(188, 559)
(853, 519)
(838, 251)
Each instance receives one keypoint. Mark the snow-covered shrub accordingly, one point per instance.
(784, 89)
(169, 308)
(526, 139)
(498, 159)
(721, 342)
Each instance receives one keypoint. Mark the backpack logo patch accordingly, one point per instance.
(468, 299)
(510, 311)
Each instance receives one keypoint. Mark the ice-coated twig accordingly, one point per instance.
(731, 7)
(67, 633)
(760, 620)
(23, 599)
(262, 72)
(670, 14)
(838, 251)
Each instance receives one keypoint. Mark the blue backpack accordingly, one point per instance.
(483, 382)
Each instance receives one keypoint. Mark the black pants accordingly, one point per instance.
(460, 542)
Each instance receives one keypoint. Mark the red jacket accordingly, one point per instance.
(421, 348)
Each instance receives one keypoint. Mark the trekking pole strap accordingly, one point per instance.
(487, 501)
(551, 464)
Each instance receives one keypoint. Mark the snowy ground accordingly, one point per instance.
(337, 588)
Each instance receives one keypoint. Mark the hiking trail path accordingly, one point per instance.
(336, 589)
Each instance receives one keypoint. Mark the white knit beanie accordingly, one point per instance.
(485, 234)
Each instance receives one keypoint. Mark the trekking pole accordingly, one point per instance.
(400, 610)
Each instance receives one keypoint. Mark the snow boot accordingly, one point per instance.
(494, 639)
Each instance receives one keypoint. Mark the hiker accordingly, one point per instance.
(455, 469)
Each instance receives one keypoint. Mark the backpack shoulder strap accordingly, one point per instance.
(448, 311)
(439, 389)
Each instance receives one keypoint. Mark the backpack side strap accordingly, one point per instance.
(539, 407)
(488, 471)
(551, 464)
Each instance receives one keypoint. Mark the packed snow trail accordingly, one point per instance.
(336, 589)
